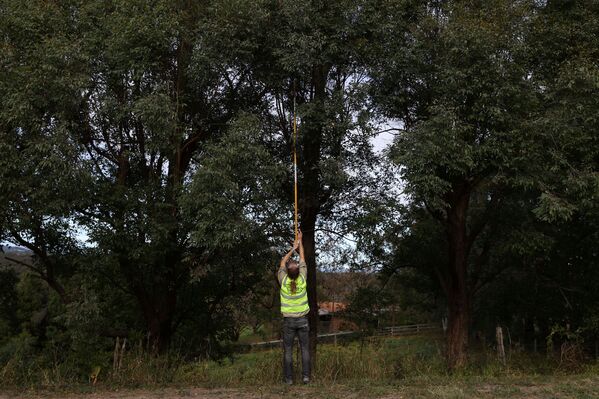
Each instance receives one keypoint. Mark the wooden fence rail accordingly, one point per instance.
(394, 331)
(408, 329)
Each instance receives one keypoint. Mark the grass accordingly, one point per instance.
(264, 333)
(410, 367)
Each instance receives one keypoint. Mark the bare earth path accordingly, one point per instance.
(586, 387)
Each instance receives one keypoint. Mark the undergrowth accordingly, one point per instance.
(382, 361)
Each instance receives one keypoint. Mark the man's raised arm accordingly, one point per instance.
(302, 262)
(285, 258)
(301, 246)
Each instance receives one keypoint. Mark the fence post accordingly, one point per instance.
(115, 356)
(500, 347)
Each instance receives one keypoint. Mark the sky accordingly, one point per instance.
(382, 141)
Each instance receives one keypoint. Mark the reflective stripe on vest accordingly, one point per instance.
(297, 302)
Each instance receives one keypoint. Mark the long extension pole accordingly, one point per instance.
(295, 219)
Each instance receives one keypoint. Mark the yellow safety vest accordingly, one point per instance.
(297, 302)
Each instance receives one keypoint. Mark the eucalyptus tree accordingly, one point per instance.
(564, 64)
(163, 88)
(114, 112)
(313, 59)
(40, 81)
(457, 81)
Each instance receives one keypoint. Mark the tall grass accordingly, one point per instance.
(380, 361)
(333, 364)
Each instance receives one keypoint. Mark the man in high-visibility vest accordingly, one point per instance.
(294, 307)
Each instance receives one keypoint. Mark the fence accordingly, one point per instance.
(394, 331)
(408, 329)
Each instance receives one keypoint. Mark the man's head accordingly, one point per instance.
(292, 269)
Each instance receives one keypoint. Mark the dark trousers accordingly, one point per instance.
(293, 326)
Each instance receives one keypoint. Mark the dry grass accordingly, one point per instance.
(390, 368)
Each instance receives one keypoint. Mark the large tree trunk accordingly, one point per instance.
(308, 225)
(309, 211)
(457, 330)
(158, 307)
(157, 299)
(455, 283)
(311, 194)
(159, 321)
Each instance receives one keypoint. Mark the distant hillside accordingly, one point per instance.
(339, 286)
(18, 253)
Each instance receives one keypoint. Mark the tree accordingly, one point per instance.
(312, 58)
(563, 64)
(161, 91)
(138, 93)
(457, 81)
(39, 167)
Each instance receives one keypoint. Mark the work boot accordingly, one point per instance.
(289, 382)
(306, 380)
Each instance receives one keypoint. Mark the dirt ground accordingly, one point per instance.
(586, 387)
(164, 393)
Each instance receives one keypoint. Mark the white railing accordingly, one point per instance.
(408, 329)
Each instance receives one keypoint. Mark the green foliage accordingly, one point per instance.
(8, 304)
(145, 163)
(229, 202)
(563, 64)
(463, 96)
(367, 305)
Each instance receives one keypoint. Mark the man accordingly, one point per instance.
(294, 307)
